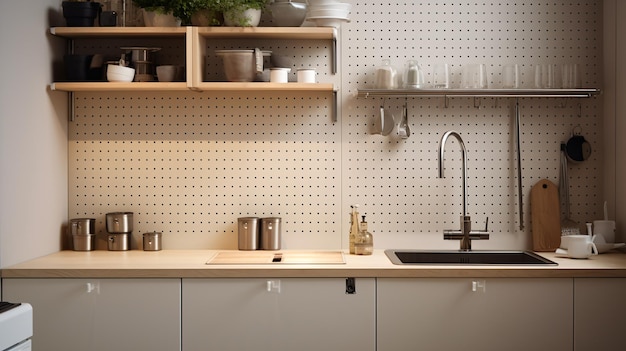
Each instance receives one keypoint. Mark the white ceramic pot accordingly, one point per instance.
(156, 19)
(247, 18)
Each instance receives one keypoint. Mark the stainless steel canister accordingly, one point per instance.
(119, 222)
(83, 226)
(152, 241)
(248, 233)
(84, 242)
(270, 233)
(119, 242)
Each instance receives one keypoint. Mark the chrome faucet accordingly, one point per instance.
(465, 234)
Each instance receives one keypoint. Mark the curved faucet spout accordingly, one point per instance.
(442, 145)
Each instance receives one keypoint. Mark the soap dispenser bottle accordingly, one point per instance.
(364, 244)
(354, 227)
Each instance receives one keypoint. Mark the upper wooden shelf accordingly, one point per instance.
(269, 32)
(103, 32)
(215, 32)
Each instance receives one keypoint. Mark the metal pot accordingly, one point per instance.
(118, 242)
(242, 65)
(119, 222)
(83, 226)
(84, 242)
(152, 241)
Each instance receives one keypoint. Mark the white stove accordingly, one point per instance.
(16, 326)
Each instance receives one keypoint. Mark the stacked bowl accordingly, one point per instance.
(328, 13)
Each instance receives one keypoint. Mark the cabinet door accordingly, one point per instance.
(599, 313)
(278, 314)
(474, 314)
(101, 314)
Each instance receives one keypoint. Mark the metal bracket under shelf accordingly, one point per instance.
(480, 93)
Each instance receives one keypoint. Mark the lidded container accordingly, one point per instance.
(248, 233)
(413, 77)
(119, 222)
(386, 76)
(119, 242)
(83, 233)
(152, 241)
(270, 233)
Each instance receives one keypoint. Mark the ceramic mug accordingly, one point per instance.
(606, 229)
(580, 246)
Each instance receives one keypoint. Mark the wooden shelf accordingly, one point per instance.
(269, 32)
(104, 32)
(206, 86)
(209, 32)
(118, 86)
(263, 86)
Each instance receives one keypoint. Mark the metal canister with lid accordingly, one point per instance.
(152, 241)
(270, 233)
(83, 233)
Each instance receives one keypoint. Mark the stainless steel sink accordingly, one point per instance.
(417, 257)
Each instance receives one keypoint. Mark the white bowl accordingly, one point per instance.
(332, 6)
(327, 13)
(328, 21)
(319, 2)
(117, 73)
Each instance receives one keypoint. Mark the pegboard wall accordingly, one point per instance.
(188, 163)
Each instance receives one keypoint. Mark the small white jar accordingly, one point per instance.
(306, 75)
(279, 75)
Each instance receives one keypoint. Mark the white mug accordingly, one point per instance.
(606, 229)
(580, 246)
(306, 75)
(279, 75)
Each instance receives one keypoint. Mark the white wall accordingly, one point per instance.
(33, 134)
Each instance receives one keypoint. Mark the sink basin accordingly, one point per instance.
(416, 257)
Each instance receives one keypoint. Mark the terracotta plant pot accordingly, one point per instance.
(159, 19)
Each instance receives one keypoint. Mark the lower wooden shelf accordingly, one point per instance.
(181, 86)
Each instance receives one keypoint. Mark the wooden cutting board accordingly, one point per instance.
(277, 257)
(545, 216)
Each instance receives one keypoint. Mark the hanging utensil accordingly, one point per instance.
(568, 225)
(404, 131)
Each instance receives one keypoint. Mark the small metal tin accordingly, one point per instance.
(152, 241)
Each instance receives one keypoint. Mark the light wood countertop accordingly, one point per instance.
(192, 264)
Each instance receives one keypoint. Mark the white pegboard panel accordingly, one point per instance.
(189, 164)
(405, 197)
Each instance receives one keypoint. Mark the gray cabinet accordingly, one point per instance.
(474, 314)
(599, 313)
(101, 314)
(308, 314)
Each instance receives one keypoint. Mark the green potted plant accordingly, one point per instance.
(160, 13)
(243, 13)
